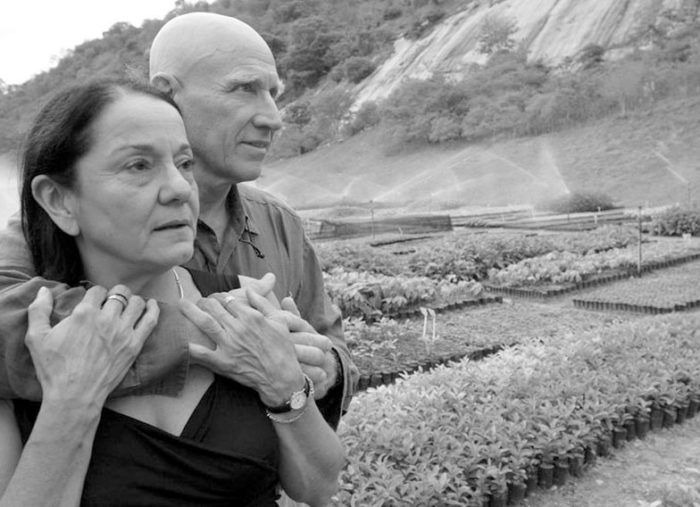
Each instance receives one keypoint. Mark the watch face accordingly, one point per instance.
(298, 400)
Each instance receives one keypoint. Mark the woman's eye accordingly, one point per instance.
(138, 165)
(186, 164)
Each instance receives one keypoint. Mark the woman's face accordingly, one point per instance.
(135, 200)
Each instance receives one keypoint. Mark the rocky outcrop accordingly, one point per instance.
(548, 30)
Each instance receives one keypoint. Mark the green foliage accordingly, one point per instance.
(365, 117)
(492, 99)
(464, 257)
(577, 202)
(357, 68)
(316, 41)
(542, 401)
(371, 296)
(676, 221)
(298, 112)
(591, 56)
(309, 56)
(563, 267)
(496, 34)
(422, 25)
(312, 121)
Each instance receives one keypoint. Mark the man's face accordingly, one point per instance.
(228, 104)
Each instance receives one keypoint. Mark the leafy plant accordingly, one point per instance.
(676, 221)
(577, 202)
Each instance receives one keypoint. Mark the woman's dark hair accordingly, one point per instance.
(60, 135)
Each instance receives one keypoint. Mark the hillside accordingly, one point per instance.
(628, 157)
(518, 100)
(549, 31)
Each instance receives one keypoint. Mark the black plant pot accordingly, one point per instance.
(681, 412)
(499, 499)
(545, 475)
(576, 464)
(692, 407)
(631, 430)
(603, 447)
(516, 492)
(641, 425)
(531, 481)
(657, 419)
(590, 457)
(619, 437)
(669, 417)
(363, 382)
(561, 473)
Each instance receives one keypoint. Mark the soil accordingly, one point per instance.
(663, 470)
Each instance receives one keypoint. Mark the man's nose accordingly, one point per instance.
(267, 115)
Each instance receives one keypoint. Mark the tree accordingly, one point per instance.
(308, 57)
(624, 83)
(591, 56)
(357, 68)
(496, 34)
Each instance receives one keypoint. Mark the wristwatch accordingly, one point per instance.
(298, 399)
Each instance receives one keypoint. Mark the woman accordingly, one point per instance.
(109, 200)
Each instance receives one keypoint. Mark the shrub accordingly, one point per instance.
(391, 12)
(367, 116)
(676, 221)
(357, 68)
(577, 202)
(496, 34)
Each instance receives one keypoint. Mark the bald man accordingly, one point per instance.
(222, 75)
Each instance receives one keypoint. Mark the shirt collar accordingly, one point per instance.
(237, 213)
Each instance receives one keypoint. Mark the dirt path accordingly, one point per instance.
(662, 470)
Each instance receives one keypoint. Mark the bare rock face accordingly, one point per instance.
(548, 30)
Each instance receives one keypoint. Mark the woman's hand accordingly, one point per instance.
(85, 356)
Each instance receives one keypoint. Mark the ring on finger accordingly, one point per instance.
(120, 298)
(228, 300)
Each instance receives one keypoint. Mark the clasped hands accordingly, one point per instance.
(260, 342)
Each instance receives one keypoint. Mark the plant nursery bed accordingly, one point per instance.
(391, 346)
(534, 417)
(674, 289)
(661, 470)
(547, 290)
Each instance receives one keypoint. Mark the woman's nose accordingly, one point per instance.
(178, 186)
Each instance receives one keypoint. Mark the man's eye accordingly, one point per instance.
(245, 87)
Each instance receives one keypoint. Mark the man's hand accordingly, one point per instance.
(262, 286)
(313, 350)
(251, 342)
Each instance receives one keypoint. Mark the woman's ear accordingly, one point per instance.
(59, 203)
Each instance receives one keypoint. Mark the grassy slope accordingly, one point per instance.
(615, 155)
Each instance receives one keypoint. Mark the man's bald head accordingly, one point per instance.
(222, 75)
(188, 40)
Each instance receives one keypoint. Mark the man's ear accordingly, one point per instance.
(59, 203)
(167, 83)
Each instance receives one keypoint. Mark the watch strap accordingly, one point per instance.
(302, 395)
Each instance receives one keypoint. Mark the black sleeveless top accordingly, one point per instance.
(227, 454)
